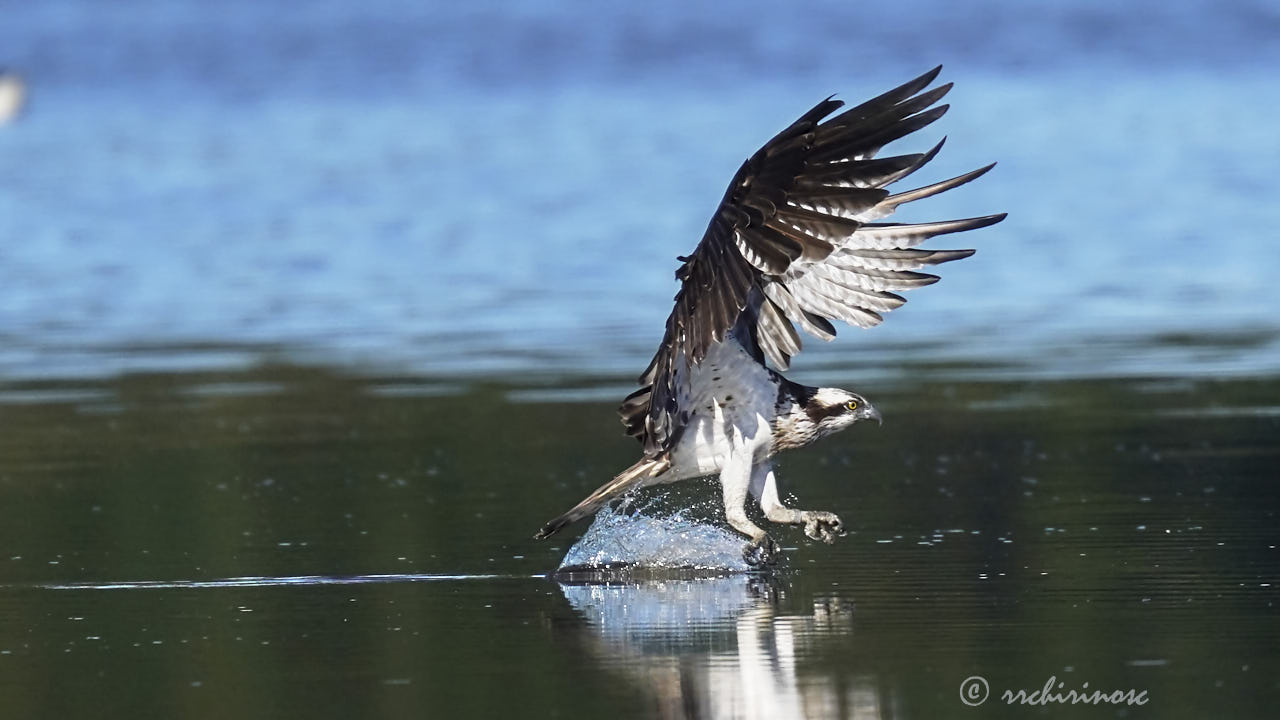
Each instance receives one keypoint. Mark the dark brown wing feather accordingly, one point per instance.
(793, 241)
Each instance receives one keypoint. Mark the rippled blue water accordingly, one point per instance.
(501, 188)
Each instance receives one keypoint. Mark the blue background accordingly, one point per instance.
(462, 189)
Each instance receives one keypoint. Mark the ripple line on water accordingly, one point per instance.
(265, 581)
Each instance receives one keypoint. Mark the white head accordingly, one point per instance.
(832, 410)
(818, 412)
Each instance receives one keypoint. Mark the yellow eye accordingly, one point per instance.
(852, 404)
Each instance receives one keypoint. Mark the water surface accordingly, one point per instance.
(294, 538)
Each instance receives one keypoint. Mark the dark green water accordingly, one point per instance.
(295, 542)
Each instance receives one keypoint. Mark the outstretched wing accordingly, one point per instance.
(794, 241)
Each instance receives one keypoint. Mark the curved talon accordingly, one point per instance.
(761, 552)
(823, 526)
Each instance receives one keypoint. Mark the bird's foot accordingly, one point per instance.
(761, 552)
(822, 526)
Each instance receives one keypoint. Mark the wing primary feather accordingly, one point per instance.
(893, 201)
(868, 173)
(835, 140)
(872, 172)
(848, 203)
(890, 98)
(921, 160)
(896, 259)
(785, 141)
(867, 146)
(828, 330)
(867, 288)
(916, 233)
(819, 304)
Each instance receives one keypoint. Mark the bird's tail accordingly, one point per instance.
(633, 477)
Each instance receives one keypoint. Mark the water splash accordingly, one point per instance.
(631, 540)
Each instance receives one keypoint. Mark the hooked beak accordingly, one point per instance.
(871, 413)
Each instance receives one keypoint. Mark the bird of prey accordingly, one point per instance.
(795, 241)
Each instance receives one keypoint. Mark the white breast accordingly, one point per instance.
(730, 399)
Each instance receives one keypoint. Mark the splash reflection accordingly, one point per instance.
(722, 648)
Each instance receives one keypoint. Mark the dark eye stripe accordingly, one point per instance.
(822, 412)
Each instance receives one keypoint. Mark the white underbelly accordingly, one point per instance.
(703, 448)
(730, 404)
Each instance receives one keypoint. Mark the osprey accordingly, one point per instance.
(794, 242)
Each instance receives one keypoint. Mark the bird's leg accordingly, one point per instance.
(735, 479)
(818, 525)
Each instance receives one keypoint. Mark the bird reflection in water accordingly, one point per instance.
(723, 648)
